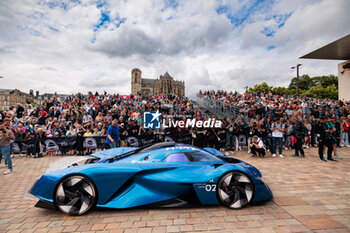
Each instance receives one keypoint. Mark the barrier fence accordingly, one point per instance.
(218, 108)
(68, 143)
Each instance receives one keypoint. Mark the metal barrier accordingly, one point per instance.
(218, 108)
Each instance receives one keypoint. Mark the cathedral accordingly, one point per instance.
(165, 84)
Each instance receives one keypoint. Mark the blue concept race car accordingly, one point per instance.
(165, 174)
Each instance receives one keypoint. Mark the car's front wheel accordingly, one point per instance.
(75, 195)
(235, 190)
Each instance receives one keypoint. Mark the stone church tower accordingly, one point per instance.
(163, 85)
(135, 81)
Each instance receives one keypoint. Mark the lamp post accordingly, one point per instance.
(246, 89)
(297, 67)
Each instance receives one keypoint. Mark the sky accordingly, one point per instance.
(70, 46)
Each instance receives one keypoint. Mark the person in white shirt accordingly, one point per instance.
(29, 110)
(86, 118)
(257, 147)
(278, 129)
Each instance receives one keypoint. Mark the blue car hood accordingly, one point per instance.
(105, 154)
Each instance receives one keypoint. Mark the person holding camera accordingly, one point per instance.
(5, 138)
(264, 133)
(257, 147)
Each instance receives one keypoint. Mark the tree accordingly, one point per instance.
(319, 91)
(305, 83)
(326, 81)
(263, 87)
(281, 90)
(317, 87)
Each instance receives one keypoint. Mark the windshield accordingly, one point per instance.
(202, 156)
(177, 157)
(142, 150)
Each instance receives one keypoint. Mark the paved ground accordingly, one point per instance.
(310, 196)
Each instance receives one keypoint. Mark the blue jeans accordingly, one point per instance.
(267, 142)
(6, 153)
(274, 145)
(112, 144)
(229, 141)
(345, 139)
(11, 147)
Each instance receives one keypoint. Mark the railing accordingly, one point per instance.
(218, 108)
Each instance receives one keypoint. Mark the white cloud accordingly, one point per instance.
(55, 46)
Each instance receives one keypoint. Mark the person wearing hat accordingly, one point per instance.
(257, 147)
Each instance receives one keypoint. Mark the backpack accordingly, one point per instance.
(299, 131)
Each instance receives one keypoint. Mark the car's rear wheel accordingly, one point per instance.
(75, 195)
(235, 190)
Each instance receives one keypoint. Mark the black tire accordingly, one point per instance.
(235, 190)
(75, 195)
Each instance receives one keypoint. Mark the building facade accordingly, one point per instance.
(344, 81)
(337, 50)
(163, 85)
(10, 98)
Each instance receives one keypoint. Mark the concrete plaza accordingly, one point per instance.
(309, 196)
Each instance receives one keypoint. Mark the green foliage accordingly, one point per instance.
(325, 87)
(326, 81)
(305, 83)
(263, 87)
(319, 91)
(279, 90)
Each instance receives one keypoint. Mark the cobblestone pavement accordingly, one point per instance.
(309, 196)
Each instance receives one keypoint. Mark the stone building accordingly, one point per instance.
(165, 84)
(10, 97)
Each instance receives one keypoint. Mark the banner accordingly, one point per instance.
(242, 140)
(69, 143)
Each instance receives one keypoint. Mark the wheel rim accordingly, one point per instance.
(235, 190)
(75, 195)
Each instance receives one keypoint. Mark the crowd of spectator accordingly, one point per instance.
(92, 115)
(262, 120)
(293, 123)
